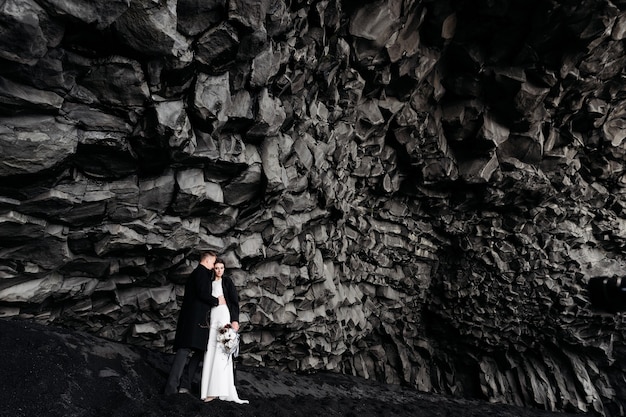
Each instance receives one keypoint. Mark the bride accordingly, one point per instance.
(218, 380)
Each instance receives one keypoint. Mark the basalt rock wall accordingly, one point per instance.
(410, 191)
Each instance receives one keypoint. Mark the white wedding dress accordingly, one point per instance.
(218, 379)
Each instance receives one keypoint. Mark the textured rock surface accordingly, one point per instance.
(413, 192)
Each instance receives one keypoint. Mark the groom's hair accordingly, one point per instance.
(207, 254)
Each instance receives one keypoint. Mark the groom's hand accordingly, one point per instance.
(221, 300)
(235, 325)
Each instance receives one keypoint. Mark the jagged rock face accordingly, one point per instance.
(416, 192)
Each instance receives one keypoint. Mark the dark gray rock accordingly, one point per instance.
(246, 187)
(27, 31)
(217, 47)
(98, 13)
(196, 16)
(269, 117)
(116, 81)
(152, 30)
(16, 95)
(95, 119)
(265, 65)
(34, 143)
(251, 14)
(212, 96)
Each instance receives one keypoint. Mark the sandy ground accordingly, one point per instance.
(47, 371)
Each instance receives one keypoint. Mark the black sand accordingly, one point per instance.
(47, 371)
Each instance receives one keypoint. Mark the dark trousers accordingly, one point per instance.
(178, 366)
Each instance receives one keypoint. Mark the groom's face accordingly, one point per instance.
(210, 262)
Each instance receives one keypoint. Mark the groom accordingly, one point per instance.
(192, 330)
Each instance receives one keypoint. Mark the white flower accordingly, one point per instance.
(228, 339)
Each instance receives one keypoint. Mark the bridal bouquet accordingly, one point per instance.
(229, 339)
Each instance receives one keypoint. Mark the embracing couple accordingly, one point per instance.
(210, 305)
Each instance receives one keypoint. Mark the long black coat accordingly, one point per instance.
(192, 328)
